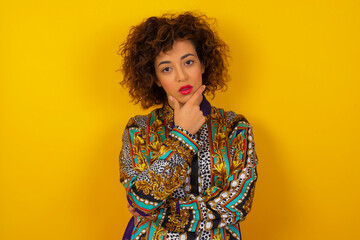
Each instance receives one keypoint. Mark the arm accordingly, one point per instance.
(149, 181)
(229, 201)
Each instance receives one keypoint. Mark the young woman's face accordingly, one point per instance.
(179, 71)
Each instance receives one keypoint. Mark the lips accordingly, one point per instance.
(184, 90)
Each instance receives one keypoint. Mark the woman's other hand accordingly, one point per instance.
(134, 213)
(189, 116)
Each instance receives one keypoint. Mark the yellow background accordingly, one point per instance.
(295, 76)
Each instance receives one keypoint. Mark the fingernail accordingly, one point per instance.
(170, 98)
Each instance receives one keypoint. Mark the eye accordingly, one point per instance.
(189, 62)
(167, 69)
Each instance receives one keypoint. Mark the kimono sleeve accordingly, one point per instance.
(149, 181)
(222, 205)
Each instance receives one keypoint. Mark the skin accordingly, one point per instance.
(134, 213)
(174, 69)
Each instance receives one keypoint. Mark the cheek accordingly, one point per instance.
(199, 75)
(166, 86)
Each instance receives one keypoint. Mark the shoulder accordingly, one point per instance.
(230, 117)
(141, 121)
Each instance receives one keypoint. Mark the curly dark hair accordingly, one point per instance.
(157, 34)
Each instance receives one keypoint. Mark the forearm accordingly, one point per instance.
(225, 207)
(150, 188)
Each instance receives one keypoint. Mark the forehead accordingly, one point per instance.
(179, 49)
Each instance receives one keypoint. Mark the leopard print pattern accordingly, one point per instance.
(204, 160)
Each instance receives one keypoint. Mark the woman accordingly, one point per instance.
(189, 169)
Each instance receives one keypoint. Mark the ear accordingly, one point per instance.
(158, 82)
(202, 68)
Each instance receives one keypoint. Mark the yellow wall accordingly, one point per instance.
(295, 75)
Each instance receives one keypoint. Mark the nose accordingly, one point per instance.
(181, 74)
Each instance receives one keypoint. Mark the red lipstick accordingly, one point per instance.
(185, 90)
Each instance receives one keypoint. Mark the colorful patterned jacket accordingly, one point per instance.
(194, 186)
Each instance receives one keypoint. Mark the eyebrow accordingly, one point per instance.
(185, 56)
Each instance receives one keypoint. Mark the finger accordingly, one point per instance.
(196, 98)
(136, 214)
(128, 205)
(131, 209)
(175, 103)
